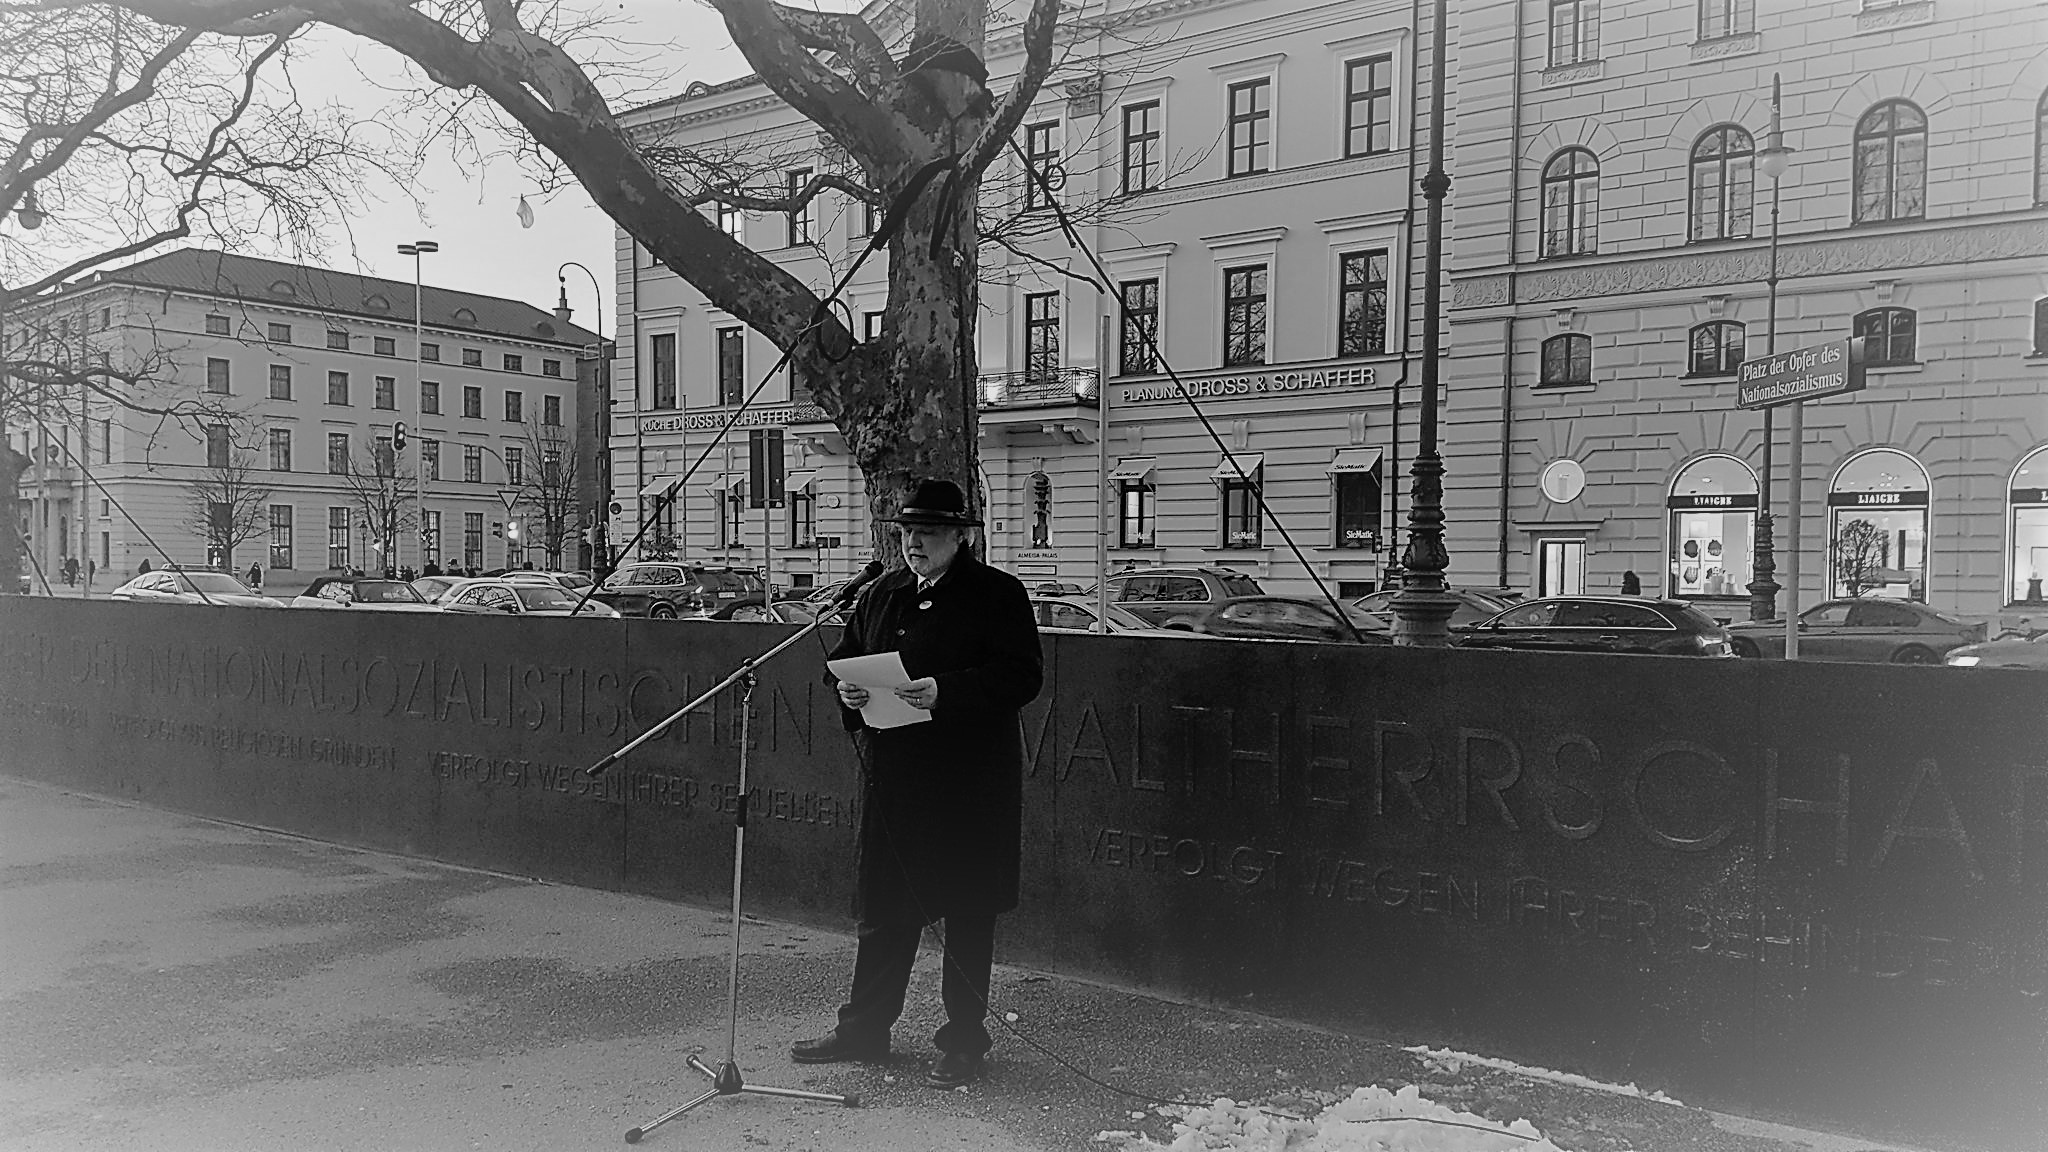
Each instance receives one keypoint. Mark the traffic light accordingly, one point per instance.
(497, 529)
(398, 437)
(512, 530)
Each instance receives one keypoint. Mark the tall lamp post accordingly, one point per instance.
(1422, 609)
(601, 398)
(1774, 160)
(417, 249)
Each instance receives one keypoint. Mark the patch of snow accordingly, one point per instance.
(1446, 1060)
(1371, 1119)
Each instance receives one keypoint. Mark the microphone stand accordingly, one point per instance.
(726, 1079)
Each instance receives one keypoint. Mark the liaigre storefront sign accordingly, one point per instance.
(774, 415)
(1271, 382)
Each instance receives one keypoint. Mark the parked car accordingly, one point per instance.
(2010, 652)
(1287, 618)
(431, 588)
(567, 581)
(172, 586)
(1864, 628)
(1163, 595)
(780, 612)
(1473, 608)
(667, 591)
(1620, 624)
(362, 592)
(1077, 614)
(518, 598)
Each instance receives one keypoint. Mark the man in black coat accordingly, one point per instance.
(942, 812)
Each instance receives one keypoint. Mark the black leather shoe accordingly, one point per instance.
(832, 1048)
(953, 1070)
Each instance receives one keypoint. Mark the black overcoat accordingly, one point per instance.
(941, 822)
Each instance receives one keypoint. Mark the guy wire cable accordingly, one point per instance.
(1258, 490)
(86, 471)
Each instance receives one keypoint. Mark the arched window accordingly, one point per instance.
(2041, 150)
(1716, 349)
(1712, 506)
(1722, 171)
(1571, 203)
(1891, 337)
(1567, 359)
(2027, 499)
(1877, 526)
(1891, 164)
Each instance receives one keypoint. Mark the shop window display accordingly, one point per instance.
(1712, 507)
(1877, 527)
(2027, 501)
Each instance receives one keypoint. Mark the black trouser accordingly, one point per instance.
(881, 976)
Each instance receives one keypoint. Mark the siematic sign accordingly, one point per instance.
(1274, 382)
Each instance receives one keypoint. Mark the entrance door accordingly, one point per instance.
(1561, 567)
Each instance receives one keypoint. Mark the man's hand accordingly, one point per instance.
(922, 693)
(853, 695)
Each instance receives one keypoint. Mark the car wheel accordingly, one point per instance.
(1913, 654)
(1746, 649)
(662, 612)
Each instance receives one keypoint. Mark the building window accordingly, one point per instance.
(217, 446)
(216, 374)
(1138, 346)
(732, 366)
(1571, 204)
(1141, 147)
(803, 519)
(1877, 526)
(384, 456)
(337, 453)
(871, 326)
(1567, 359)
(1137, 503)
(280, 449)
(1716, 349)
(1244, 315)
(1722, 183)
(733, 524)
(387, 392)
(281, 536)
(551, 368)
(106, 442)
(430, 352)
(515, 466)
(472, 464)
(430, 459)
(1241, 519)
(551, 411)
(514, 362)
(430, 398)
(430, 538)
(2027, 497)
(384, 345)
(473, 401)
(1356, 493)
(1720, 18)
(1891, 164)
(472, 540)
(802, 220)
(515, 407)
(1361, 303)
(1889, 337)
(2041, 150)
(337, 538)
(1041, 337)
(337, 387)
(1251, 127)
(2041, 326)
(661, 352)
(280, 381)
(216, 325)
(472, 357)
(337, 339)
(1574, 32)
(280, 333)
(729, 218)
(1712, 507)
(1561, 567)
(1368, 105)
(1041, 157)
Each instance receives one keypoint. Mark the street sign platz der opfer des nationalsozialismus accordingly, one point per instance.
(1802, 374)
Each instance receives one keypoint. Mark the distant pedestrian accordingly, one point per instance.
(255, 574)
(1631, 584)
(70, 570)
(143, 568)
(91, 569)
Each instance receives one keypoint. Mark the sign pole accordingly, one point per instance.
(1795, 466)
(1103, 493)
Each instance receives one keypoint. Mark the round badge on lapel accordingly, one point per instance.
(922, 604)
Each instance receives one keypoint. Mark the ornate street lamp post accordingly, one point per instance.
(1422, 609)
(1774, 160)
(416, 249)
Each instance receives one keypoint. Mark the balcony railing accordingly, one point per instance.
(1047, 389)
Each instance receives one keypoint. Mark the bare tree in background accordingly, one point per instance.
(546, 489)
(1859, 556)
(226, 507)
(383, 496)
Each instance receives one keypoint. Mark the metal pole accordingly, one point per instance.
(1763, 586)
(1796, 465)
(415, 250)
(1104, 497)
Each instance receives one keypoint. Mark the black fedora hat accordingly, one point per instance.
(935, 502)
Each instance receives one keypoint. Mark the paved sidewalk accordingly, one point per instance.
(169, 983)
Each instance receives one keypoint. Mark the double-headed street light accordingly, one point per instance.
(1774, 161)
(417, 249)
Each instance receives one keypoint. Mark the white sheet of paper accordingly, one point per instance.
(881, 674)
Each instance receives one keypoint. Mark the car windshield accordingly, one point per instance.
(544, 597)
(1124, 619)
(572, 580)
(385, 592)
(211, 583)
(1235, 585)
(644, 577)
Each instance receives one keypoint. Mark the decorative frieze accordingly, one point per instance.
(1479, 291)
(1894, 16)
(1723, 47)
(1571, 74)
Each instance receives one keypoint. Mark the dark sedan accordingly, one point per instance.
(1287, 618)
(1474, 608)
(1630, 625)
(1871, 628)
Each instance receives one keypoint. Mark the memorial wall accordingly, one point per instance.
(1819, 890)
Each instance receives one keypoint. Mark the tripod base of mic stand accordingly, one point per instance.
(726, 1081)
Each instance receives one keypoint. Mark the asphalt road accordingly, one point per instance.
(169, 983)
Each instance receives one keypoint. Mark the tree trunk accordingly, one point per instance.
(12, 465)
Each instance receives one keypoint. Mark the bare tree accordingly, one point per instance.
(920, 129)
(1859, 556)
(546, 487)
(383, 497)
(225, 506)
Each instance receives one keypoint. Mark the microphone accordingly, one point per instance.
(847, 594)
